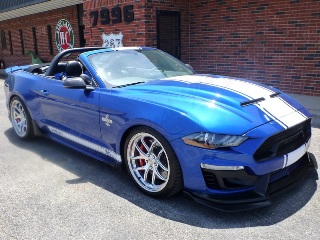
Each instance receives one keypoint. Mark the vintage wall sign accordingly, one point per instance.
(112, 40)
(114, 16)
(64, 35)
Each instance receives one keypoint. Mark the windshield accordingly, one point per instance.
(128, 67)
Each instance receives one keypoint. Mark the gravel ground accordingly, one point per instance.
(48, 191)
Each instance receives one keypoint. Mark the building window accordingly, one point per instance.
(21, 41)
(3, 40)
(10, 42)
(50, 39)
(35, 45)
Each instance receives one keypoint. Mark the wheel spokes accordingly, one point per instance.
(145, 145)
(153, 178)
(143, 154)
(139, 157)
(145, 175)
(159, 162)
(152, 145)
(21, 126)
(158, 175)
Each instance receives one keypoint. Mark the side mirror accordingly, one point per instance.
(86, 79)
(78, 82)
(88, 82)
(75, 82)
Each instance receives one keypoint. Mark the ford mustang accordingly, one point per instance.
(229, 143)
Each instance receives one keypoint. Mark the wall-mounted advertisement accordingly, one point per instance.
(64, 35)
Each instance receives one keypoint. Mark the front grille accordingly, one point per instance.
(284, 142)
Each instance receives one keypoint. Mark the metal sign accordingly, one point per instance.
(112, 40)
(64, 35)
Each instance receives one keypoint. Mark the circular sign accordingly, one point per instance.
(64, 35)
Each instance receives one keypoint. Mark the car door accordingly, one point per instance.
(71, 115)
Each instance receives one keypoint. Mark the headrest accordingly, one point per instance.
(73, 69)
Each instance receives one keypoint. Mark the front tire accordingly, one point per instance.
(152, 163)
(20, 118)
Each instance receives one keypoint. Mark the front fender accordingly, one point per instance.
(124, 114)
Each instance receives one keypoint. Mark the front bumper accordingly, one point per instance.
(258, 191)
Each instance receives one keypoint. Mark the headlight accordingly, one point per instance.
(212, 141)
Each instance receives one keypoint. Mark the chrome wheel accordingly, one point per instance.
(148, 162)
(20, 119)
(18, 116)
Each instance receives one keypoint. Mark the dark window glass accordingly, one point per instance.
(3, 40)
(10, 42)
(21, 41)
(35, 45)
(50, 39)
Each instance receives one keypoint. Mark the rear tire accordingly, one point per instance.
(152, 163)
(20, 119)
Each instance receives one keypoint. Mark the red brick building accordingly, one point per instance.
(276, 42)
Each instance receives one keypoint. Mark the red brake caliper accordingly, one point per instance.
(142, 161)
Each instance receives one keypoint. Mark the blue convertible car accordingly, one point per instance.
(230, 143)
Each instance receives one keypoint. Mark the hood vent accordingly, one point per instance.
(253, 101)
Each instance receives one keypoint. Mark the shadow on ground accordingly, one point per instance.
(177, 208)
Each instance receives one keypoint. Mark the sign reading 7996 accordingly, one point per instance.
(114, 16)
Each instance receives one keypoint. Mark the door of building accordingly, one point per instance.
(82, 40)
(168, 32)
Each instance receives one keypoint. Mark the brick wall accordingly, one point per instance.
(143, 30)
(276, 42)
(134, 32)
(40, 23)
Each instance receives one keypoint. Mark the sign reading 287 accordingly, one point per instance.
(113, 16)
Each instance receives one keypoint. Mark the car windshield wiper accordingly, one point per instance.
(128, 84)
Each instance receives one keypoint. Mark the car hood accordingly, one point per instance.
(219, 104)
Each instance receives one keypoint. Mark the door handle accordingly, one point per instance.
(45, 92)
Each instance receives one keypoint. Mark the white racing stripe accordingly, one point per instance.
(271, 117)
(294, 156)
(275, 108)
(294, 109)
(282, 112)
(293, 119)
(243, 88)
(86, 143)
